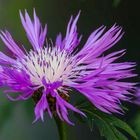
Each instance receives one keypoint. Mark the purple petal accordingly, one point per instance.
(35, 33)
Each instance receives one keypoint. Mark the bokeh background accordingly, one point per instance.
(16, 118)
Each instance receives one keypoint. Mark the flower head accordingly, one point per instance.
(49, 71)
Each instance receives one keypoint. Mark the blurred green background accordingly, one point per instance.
(16, 118)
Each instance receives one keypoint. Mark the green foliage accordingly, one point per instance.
(5, 113)
(109, 126)
(136, 124)
(29, 107)
(116, 3)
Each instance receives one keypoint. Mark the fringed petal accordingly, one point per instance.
(35, 33)
(11, 44)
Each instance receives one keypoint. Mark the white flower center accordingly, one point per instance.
(52, 64)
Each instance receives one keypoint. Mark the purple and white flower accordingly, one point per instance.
(49, 71)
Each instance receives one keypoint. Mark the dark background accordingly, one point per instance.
(16, 118)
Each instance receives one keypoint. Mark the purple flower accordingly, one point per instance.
(49, 71)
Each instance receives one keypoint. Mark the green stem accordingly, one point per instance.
(61, 126)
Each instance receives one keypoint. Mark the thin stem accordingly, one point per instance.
(61, 126)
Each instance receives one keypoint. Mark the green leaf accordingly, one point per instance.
(119, 134)
(105, 129)
(109, 126)
(121, 124)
